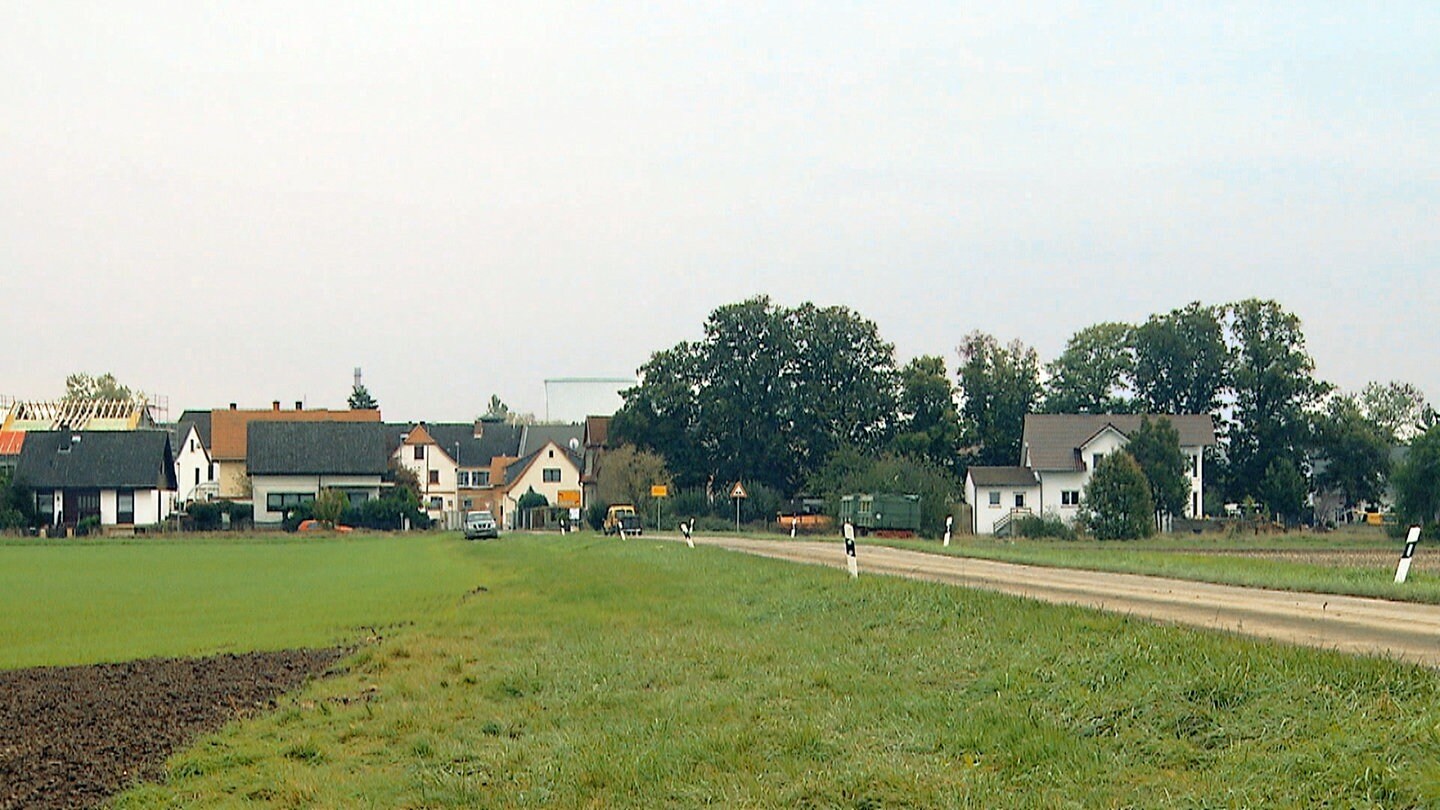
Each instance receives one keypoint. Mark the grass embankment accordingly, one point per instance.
(1363, 567)
(592, 672)
(82, 602)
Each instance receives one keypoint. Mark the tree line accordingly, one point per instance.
(785, 396)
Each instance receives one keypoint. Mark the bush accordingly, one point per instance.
(204, 516)
(595, 515)
(87, 526)
(296, 515)
(1118, 505)
(1036, 526)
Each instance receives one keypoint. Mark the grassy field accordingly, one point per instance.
(584, 672)
(79, 602)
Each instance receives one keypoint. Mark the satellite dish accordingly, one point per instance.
(574, 444)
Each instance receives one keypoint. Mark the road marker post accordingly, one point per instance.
(1403, 570)
(688, 529)
(850, 550)
(949, 521)
(794, 521)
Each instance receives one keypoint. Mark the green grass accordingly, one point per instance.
(78, 602)
(1191, 559)
(596, 673)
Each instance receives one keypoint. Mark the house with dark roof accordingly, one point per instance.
(552, 470)
(121, 477)
(290, 463)
(229, 432)
(1058, 453)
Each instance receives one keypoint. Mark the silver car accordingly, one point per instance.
(480, 525)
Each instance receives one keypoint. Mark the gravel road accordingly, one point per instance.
(1402, 630)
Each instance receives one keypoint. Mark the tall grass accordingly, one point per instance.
(581, 672)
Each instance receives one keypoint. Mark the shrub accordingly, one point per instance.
(595, 515)
(204, 516)
(1118, 505)
(87, 526)
(1037, 526)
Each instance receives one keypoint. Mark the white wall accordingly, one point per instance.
(264, 485)
(1052, 484)
(986, 515)
(435, 459)
(191, 460)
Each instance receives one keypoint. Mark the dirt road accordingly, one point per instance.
(1350, 624)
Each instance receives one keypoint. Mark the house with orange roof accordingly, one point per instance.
(229, 431)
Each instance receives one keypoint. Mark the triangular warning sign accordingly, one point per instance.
(738, 491)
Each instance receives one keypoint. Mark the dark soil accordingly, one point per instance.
(72, 736)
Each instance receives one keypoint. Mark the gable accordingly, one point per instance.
(1055, 441)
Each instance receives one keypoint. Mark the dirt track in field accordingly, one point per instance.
(72, 736)
(1403, 630)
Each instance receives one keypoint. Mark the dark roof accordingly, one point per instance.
(1003, 477)
(534, 437)
(201, 421)
(97, 459)
(316, 448)
(496, 439)
(517, 468)
(1054, 440)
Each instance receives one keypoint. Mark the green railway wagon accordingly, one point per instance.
(886, 515)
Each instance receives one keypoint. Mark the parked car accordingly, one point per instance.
(622, 517)
(479, 525)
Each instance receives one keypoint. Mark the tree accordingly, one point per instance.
(1156, 448)
(849, 472)
(929, 420)
(531, 500)
(329, 505)
(497, 409)
(1417, 480)
(1397, 408)
(82, 386)
(1283, 489)
(1180, 361)
(17, 503)
(1090, 376)
(1355, 453)
(998, 385)
(1117, 502)
(1275, 393)
(765, 397)
(626, 474)
(360, 399)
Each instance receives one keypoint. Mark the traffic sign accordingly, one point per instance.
(738, 491)
(659, 491)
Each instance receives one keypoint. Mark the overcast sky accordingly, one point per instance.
(243, 201)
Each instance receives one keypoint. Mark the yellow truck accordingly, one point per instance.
(621, 517)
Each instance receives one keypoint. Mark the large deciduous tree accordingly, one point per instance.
(1155, 446)
(1417, 480)
(82, 386)
(1276, 393)
(1117, 503)
(1181, 361)
(999, 384)
(1355, 453)
(929, 423)
(766, 396)
(1093, 373)
(1397, 408)
(625, 475)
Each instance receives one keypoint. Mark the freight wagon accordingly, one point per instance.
(882, 515)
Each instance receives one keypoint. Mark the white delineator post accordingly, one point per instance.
(1403, 570)
(794, 521)
(949, 521)
(850, 550)
(687, 529)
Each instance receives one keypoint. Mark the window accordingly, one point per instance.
(281, 501)
(550, 475)
(549, 453)
(995, 498)
(419, 452)
(1069, 497)
(480, 478)
(462, 478)
(1194, 466)
(357, 496)
(125, 506)
(434, 476)
(1195, 504)
(436, 503)
(469, 502)
(197, 476)
(45, 506)
(1095, 460)
(212, 471)
(1019, 500)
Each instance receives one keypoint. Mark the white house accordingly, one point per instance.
(120, 477)
(194, 470)
(552, 471)
(1058, 453)
(290, 463)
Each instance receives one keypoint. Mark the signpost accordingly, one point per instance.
(737, 494)
(658, 492)
(1403, 570)
(850, 550)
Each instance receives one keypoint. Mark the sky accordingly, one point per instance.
(241, 202)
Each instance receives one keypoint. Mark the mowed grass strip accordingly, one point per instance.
(1198, 561)
(600, 673)
(78, 602)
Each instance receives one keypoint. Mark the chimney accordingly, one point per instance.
(299, 405)
(275, 405)
(232, 406)
(479, 428)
